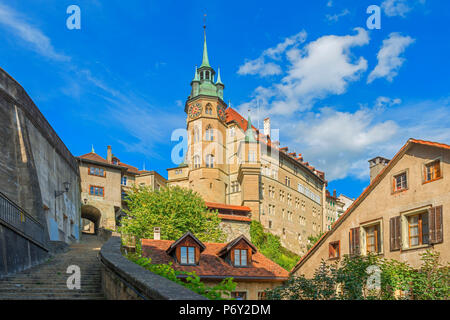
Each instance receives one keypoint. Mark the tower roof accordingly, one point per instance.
(249, 135)
(219, 81)
(205, 61)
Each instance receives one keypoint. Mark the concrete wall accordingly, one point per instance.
(34, 163)
(382, 204)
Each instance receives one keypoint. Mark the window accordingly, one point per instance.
(417, 229)
(196, 161)
(96, 171)
(270, 224)
(251, 156)
(400, 182)
(232, 132)
(288, 181)
(234, 187)
(373, 238)
(210, 161)
(96, 191)
(262, 295)
(334, 249)
(124, 181)
(209, 135)
(196, 134)
(239, 295)
(208, 109)
(432, 171)
(240, 258)
(187, 255)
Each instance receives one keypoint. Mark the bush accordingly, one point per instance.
(270, 246)
(192, 281)
(351, 280)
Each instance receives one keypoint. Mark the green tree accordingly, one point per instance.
(175, 210)
(313, 239)
(270, 246)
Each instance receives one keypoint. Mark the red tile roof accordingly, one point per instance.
(213, 205)
(234, 217)
(212, 266)
(366, 191)
(95, 157)
(233, 115)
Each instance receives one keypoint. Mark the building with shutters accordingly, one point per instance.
(229, 162)
(403, 212)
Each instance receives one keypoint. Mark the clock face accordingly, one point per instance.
(221, 113)
(195, 110)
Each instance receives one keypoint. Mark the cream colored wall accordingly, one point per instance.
(382, 204)
(251, 287)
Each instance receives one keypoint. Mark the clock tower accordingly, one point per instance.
(206, 128)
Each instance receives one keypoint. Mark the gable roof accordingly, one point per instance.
(229, 246)
(365, 193)
(187, 234)
(211, 266)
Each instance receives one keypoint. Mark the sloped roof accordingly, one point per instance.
(212, 266)
(213, 205)
(365, 193)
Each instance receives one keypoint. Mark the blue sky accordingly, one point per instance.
(339, 93)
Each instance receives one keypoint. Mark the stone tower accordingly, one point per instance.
(206, 127)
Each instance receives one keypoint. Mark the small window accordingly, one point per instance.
(334, 250)
(432, 171)
(240, 258)
(239, 295)
(96, 191)
(417, 229)
(96, 171)
(400, 182)
(373, 239)
(196, 161)
(124, 180)
(210, 161)
(187, 255)
(209, 134)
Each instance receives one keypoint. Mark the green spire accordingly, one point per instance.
(196, 75)
(219, 81)
(205, 61)
(92, 151)
(249, 135)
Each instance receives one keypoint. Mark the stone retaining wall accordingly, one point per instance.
(125, 280)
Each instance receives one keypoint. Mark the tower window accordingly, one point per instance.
(201, 76)
(196, 161)
(196, 135)
(210, 161)
(206, 75)
(209, 135)
(208, 109)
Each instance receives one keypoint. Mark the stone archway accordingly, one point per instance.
(91, 213)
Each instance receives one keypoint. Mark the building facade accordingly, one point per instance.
(213, 262)
(229, 161)
(402, 213)
(104, 185)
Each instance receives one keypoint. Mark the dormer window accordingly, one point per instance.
(240, 258)
(187, 255)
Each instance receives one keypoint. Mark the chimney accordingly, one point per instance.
(109, 155)
(376, 165)
(334, 193)
(267, 127)
(156, 233)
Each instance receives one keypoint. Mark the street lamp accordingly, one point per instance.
(59, 193)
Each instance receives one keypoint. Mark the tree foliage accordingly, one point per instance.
(270, 246)
(350, 280)
(175, 210)
(313, 239)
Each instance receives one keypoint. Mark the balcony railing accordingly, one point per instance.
(14, 216)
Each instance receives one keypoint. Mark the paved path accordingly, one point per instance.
(49, 280)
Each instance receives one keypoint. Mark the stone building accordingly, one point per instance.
(228, 161)
(104, 184)
(402, 213)
(334, 207)
(212, 262)
(39, 182)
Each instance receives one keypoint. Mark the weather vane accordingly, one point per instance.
(204, 21)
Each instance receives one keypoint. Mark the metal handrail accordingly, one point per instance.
(18, 218)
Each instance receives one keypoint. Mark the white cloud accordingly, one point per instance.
(389, 60)
(330, 3)
(399, 7)
(337, 16)
(260, 67)
(31, 35)
(323, 67)
(337, 142)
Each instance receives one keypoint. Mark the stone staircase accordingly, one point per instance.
(48, 281)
